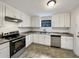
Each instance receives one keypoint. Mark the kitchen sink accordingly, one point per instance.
(44, 33)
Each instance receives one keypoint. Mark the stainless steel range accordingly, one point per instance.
(17, 43)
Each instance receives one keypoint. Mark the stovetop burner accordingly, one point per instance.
(12, 35)
(15, 37)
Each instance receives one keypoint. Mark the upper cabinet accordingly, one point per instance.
(12, 12)
(57, 20)
(67, 19)
(2, 13)
(35, 21)
(9, 11)
(26, 20)
(61, 20)
(15, 13)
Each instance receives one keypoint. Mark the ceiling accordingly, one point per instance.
(40, 8)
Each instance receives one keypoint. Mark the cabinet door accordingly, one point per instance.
(35, 21)
(9, 11)
(5, 52)
(63, 42)
(67, 19)
(61, 20)
(35, 38)
(41, 39)
(28, 40)
(47, 40)
(30, 37)
(1, 13)
(55, 20)
(58, 20)
(67, 43)
(26, 20)
(18, 14)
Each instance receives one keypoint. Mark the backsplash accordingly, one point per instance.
(25, 29)
(8, 27)
(51, 29)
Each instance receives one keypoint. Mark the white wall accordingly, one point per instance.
(75, 29)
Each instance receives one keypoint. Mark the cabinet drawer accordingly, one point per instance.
(4, 45)
(5, 53)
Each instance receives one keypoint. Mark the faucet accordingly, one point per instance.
(44, 30)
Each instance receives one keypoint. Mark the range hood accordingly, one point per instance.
(11, 19)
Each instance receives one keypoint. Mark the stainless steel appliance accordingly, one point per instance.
(56, 41)
(17, 43)
(12, 19)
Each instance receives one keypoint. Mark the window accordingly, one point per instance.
(45, 23)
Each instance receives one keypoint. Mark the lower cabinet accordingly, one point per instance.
(28, 40)
(35, 38)
(67, 42)
(4, 51)
(47, 40)
(42, 39)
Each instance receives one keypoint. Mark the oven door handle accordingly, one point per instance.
(18, 40)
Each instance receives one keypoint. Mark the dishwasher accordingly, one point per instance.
(56, 41)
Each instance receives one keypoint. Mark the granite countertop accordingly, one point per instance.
(47, 33)
(2, 41)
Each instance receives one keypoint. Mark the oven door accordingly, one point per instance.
(16, 45)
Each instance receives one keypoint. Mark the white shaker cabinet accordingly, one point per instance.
(47, 40)
(26, 20)
(35, 21)
(2, 13)
(42, 39)
(35, 38)
(28, 40)
(18, 14)
(12, 12)
(67, 19)
(56, 21)
(67, 42)
(4, 50)
(9, 11)
(61, 20)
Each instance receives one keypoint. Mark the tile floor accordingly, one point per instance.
(40, 51)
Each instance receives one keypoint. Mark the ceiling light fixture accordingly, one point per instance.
(51, 3)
